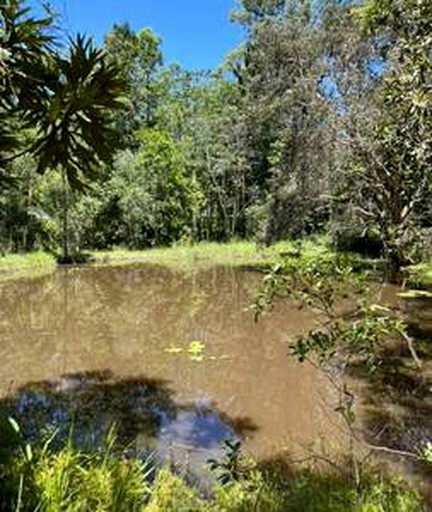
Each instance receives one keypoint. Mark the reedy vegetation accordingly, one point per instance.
(39, 478)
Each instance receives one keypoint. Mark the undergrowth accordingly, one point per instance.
(30, 265)
(188, 258)
(71, 480)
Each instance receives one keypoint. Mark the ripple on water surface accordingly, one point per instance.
(175, 360)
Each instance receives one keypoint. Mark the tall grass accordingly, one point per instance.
(207, 254)
(185, 258)
(199, 256)
(30, 265)
(70, 481)
(421, 275)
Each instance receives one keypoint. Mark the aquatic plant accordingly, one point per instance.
(427, 452)
(194, 350)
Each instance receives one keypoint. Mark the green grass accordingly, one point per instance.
(415, 294)
(70, 481)
(421, 275)
(30, 265)
(191, 257)
(237, 254)
(185, 258)
(180, 257)
(67, 479)
(315, 491)
(205, 255)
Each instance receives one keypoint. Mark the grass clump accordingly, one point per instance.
(185, 258)
(171, 494)
(71, 481)
(315, 491)
(420, 275)
(30, 265)
(68, 479)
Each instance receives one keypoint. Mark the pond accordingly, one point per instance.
(175, 360)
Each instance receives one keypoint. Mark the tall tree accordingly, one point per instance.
(139, 57)
(66, 99)
(217, 156)
(391, 142)
(74, 123)
(153, 194)
(25, 45)
(289, 136)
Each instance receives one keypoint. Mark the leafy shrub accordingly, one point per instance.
(171, 494)
(71, 480)
(312, 491)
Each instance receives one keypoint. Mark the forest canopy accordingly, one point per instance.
(318, 123)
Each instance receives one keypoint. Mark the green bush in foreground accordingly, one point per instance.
(311, 491)
(73, 481)
(70, 480)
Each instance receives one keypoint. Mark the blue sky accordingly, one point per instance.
(195, 33)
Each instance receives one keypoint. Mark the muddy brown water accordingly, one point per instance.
(88, 346)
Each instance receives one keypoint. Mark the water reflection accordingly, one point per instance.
(147, 418)
(64, 331)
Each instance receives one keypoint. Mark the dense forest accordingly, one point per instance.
(320, 122)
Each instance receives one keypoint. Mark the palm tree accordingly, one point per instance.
(75, 131)
(66, 99)
(25, 44)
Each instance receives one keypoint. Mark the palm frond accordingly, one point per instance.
(74, 119)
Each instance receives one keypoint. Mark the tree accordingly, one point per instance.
(139, 57)
(353, 75)
(255, 11)
(73, 120)
(25, 45)
(217, 158)
(154, 197)
(67, 100)
(289, 137)
(203, 112)
(393, 146)
(21, 219)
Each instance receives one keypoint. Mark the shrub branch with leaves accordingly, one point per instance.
(352, 330)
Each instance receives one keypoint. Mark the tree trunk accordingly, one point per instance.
(65, 234)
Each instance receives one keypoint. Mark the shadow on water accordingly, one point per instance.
(143, 321)
(396, 410)
(143, 410)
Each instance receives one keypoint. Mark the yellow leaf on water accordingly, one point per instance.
(197, 358)
(196, 348)
(173, 350)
